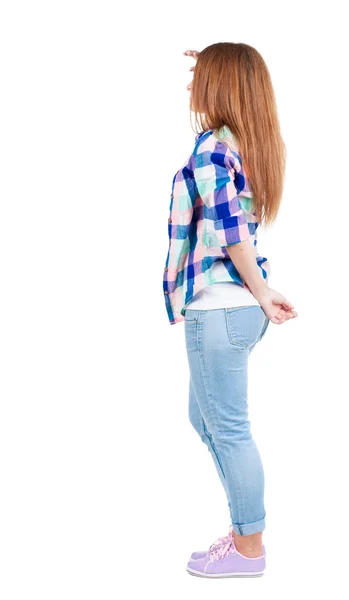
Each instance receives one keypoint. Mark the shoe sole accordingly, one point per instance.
(222, 575)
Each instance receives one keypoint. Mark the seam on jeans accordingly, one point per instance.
(209, 403)
(231, 338)
(192, 394)
(194, 319)
(202, 429)
(263, 330)
(199, 339)
(265, 326)
(214, 450)
(229, 330)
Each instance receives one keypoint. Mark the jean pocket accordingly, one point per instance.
(265, 327)
(244, 325)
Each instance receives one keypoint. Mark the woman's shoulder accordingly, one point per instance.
(207, 145)
(227, 138)
(216, 139)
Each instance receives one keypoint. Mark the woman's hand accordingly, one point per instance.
(194, 54)
(276, 307)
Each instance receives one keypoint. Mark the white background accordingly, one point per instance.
(105, 487)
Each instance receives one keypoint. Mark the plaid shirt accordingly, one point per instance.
(210, 208)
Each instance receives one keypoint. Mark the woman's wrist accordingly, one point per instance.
(259, 289)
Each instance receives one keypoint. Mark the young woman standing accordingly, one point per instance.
(217, 283)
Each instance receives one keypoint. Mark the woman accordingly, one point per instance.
(217, 283)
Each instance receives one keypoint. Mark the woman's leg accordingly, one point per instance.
(200, 427)
(218, 344)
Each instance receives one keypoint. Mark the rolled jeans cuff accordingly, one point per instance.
(249, 528)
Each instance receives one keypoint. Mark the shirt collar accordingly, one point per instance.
(199, 135)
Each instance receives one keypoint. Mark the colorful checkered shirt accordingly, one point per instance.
(210, 209)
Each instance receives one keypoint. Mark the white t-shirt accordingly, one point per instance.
(223, 294)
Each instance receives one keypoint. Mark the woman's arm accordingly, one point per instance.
(244, 260)
(215, 169)
(275, 305)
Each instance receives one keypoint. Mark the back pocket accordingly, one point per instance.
(245, 325)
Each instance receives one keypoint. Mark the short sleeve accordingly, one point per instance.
(214, 176)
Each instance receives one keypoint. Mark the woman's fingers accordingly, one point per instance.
(286, 305)
(283, 315)
(279, 319)
(292, 312)
(193, 53)
(276, 320)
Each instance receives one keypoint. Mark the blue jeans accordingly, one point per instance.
(219, 342)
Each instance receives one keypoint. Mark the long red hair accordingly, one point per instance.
(232, 87)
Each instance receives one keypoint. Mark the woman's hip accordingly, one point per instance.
(238, 328)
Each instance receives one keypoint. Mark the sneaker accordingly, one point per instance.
(226, 561)
(217, 544)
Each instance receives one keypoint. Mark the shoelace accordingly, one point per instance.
(222, 551)
(220, 544)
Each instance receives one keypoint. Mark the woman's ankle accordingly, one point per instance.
(249, 545)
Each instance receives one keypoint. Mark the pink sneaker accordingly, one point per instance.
(217, 544)
(226, 561)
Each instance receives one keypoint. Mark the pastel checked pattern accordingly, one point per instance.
(210, 208)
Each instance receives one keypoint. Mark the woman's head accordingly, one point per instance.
(232, 86)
